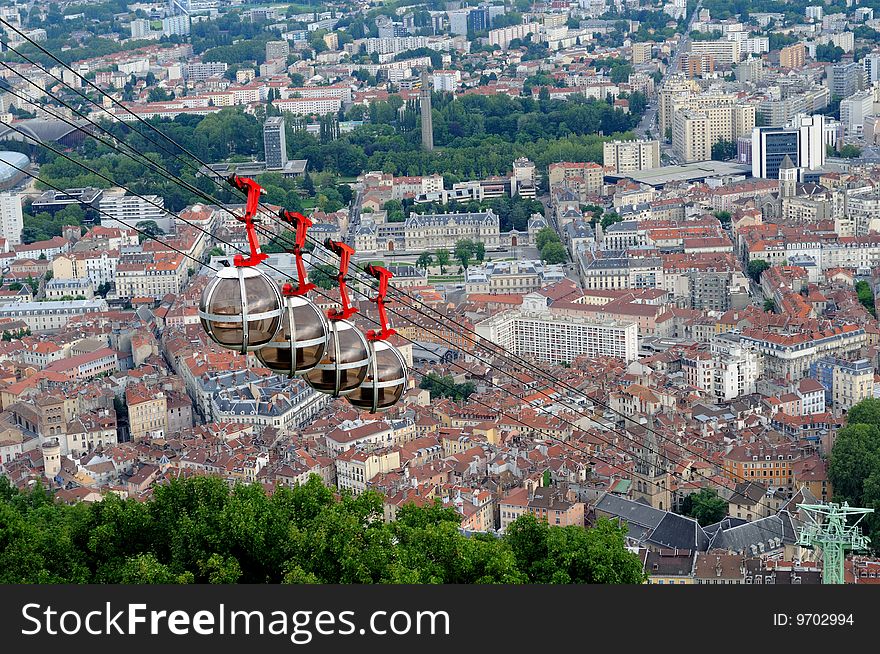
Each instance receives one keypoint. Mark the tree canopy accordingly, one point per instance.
(201, 530)
(854, 467)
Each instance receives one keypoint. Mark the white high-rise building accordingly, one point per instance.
(140, 28)
(11, 222)
(854, 110)
(872, 66)
(811, 141)
(172, 25)
(625, 156)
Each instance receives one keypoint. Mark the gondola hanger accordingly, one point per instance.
(386, 378)
(240, 308)
(347, 357)
(302, 340)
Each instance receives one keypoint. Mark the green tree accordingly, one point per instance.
(464, 251)
(443, 259)
(148, 229)
(866, 296)
(480, 251)
(704, 506)
(755, 268)
(769, 305)
(850, 151)
(609, 219)
(724, 150)
(544, 236)
(554, 252)
(424, 260)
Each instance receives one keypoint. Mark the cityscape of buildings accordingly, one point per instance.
(681, 307)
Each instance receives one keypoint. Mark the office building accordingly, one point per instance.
(275, 143)
(478, 19)
(535, 331)
(811, 141)
(770, 145)
(11, 222)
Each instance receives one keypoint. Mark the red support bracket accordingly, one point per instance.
(344, 252)
(383, 275)
(253, 191)
(301, 226)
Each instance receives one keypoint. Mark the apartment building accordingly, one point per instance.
(50, 316)
(641, 52)
(846, 383)
(154, 275)
(793, 56)
(88, 365)
(616, 270)
(582, 178)
(147, 413)
(736, 367)
(854, 110)
(534, 330)
(698, 125)
(789, 356)
(355, 467)
(770, 466)
(200, 71)
(721, 51)
(502, 36)
(97, 266)
(306, 106)
(126, 211)
(625, 156)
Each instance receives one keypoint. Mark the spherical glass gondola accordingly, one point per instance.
(302, 340)
(385, 381)
(345, 363)
(241, 308)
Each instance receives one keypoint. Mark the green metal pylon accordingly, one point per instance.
(828, 530)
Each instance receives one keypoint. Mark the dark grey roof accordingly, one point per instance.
(676, 531)
(759, 532)
(630, 511)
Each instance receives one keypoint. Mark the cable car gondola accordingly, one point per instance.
(347, 357)
(387, 375)
(240, 308)
(302, 340)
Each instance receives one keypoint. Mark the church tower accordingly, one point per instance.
(788, 178)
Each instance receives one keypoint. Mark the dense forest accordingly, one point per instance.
(201, 531)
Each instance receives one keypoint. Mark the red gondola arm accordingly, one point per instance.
(344, 252)
(383, 275)
(301, 226)
(253, 191)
